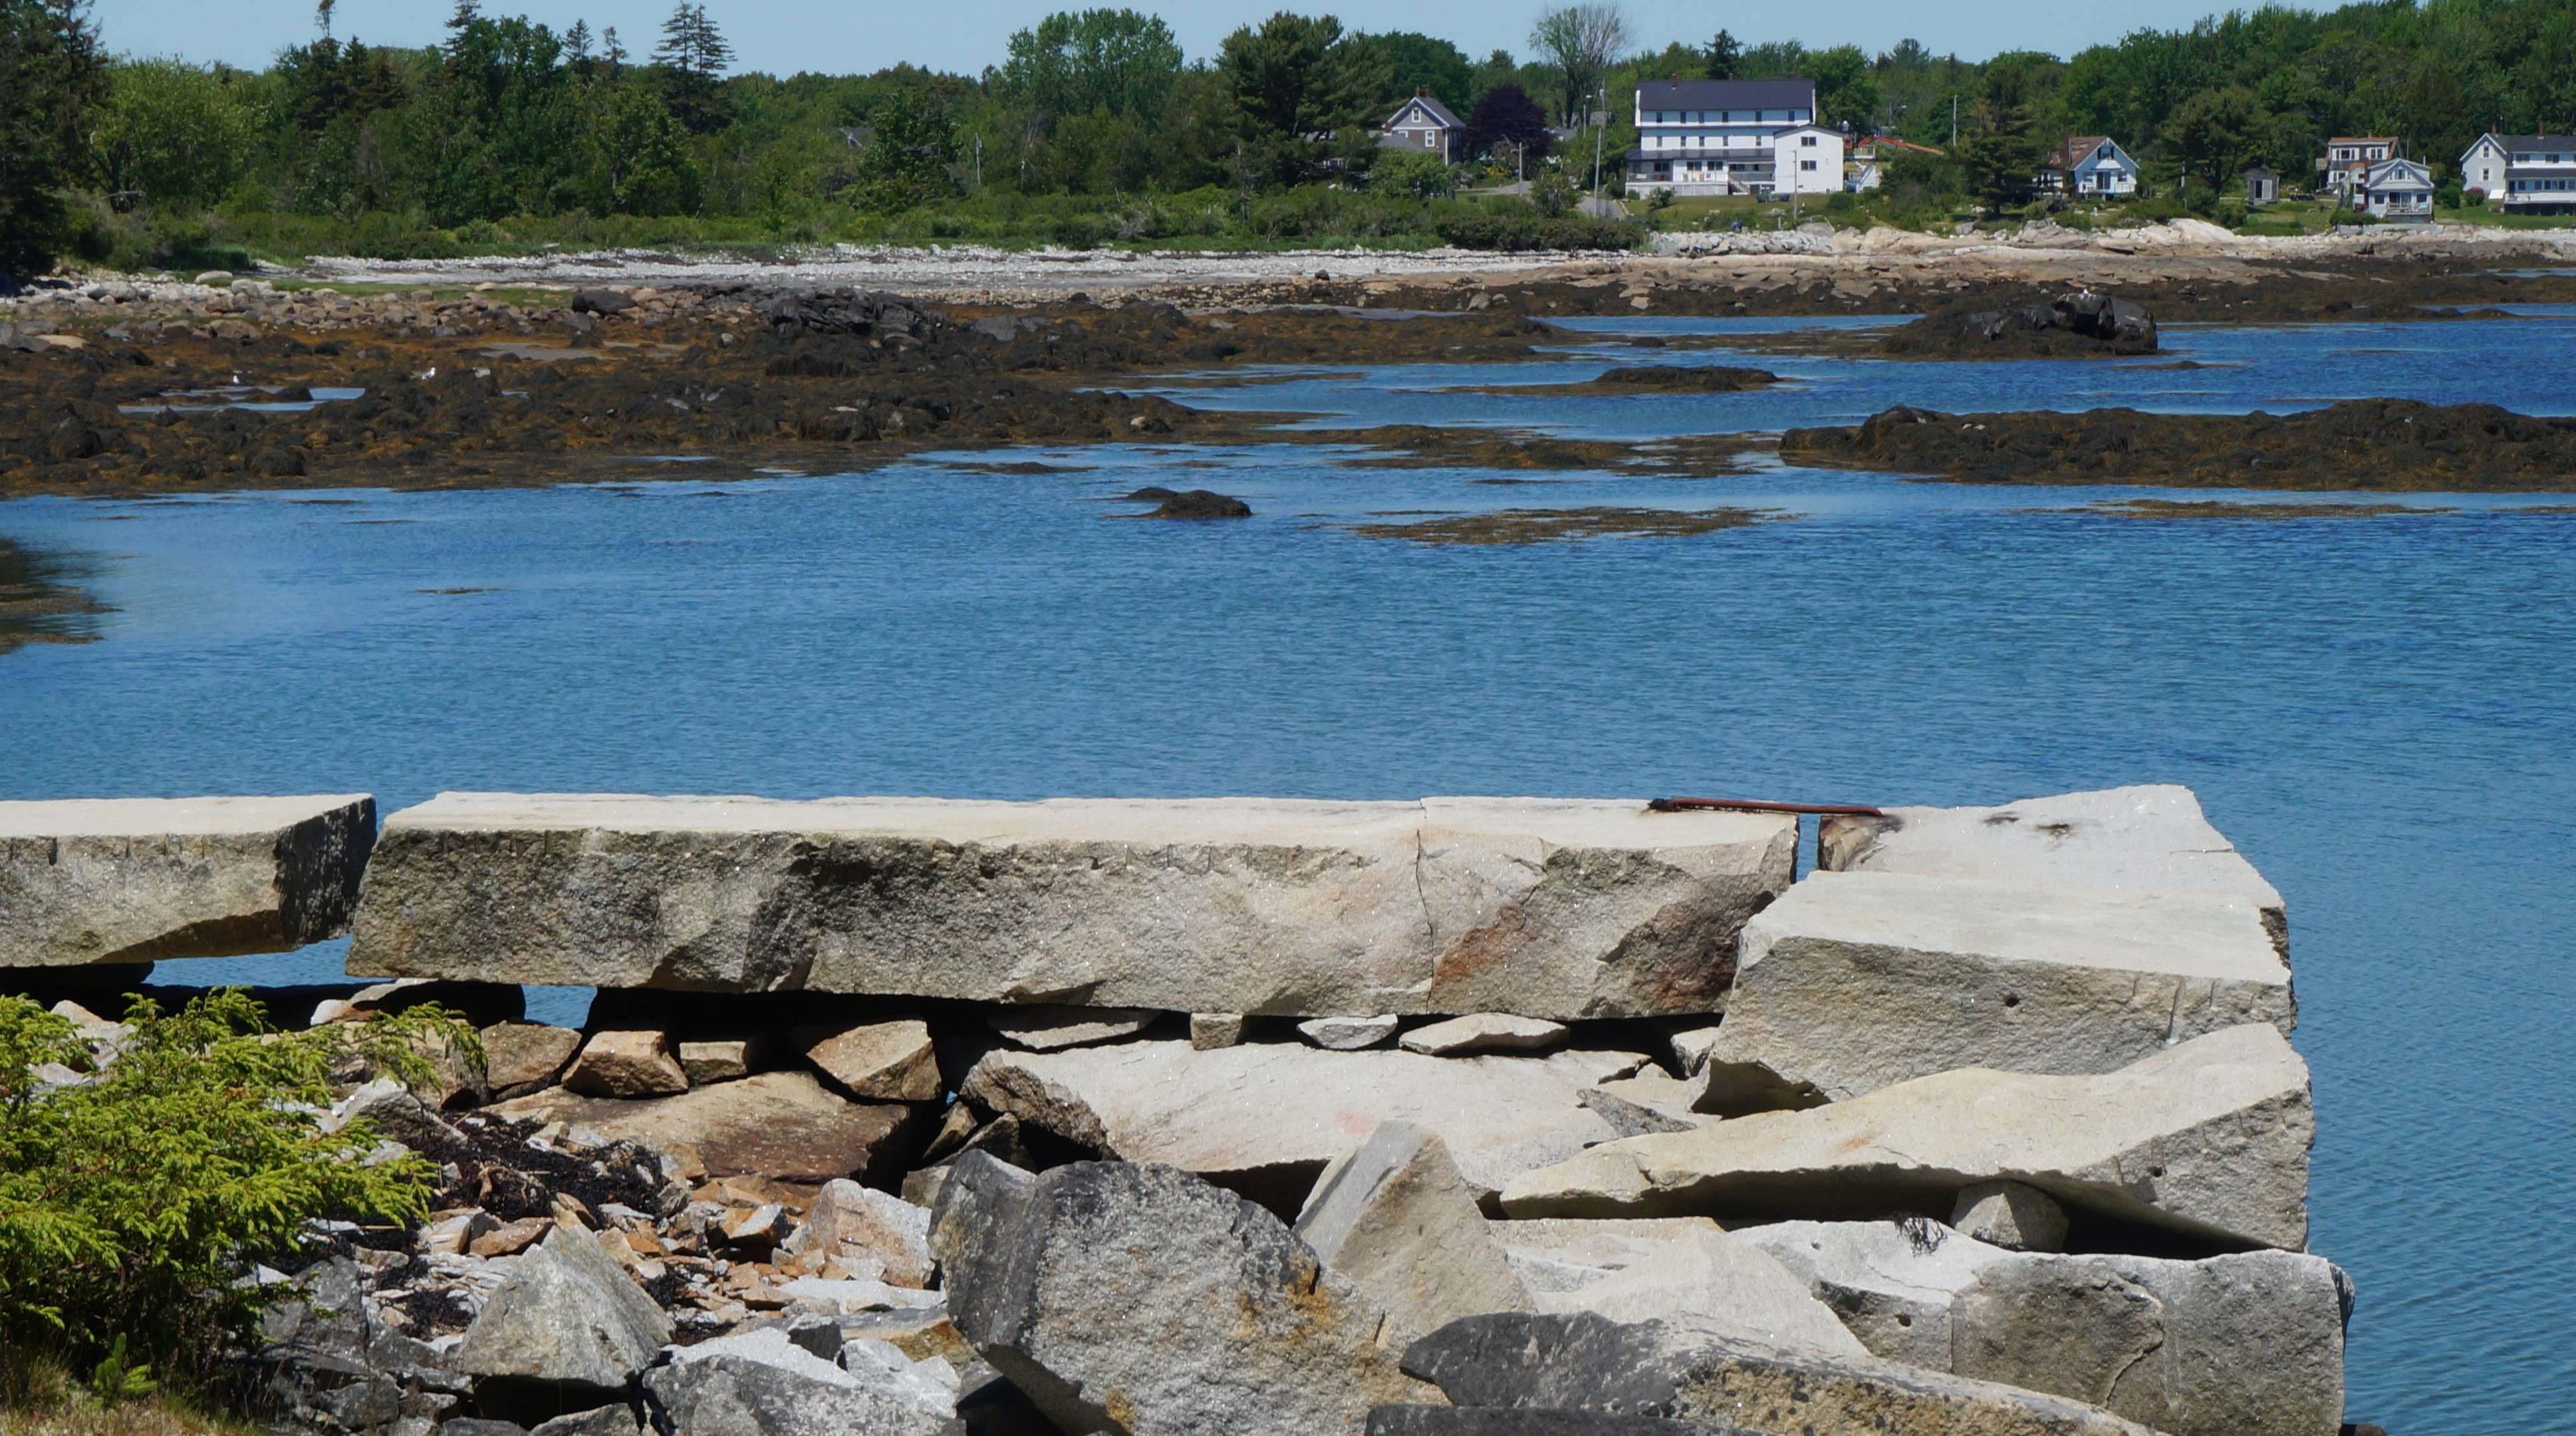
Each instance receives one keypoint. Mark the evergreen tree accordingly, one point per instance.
(1724, 54)
(50, 80)
(1291, 85)
(693, 56)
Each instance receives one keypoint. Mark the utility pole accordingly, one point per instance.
(1954, 121)
(1600, 125)
(979, 162)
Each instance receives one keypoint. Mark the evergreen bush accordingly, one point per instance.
(135, 1201)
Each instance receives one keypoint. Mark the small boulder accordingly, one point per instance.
(566, 1318)
(869, 1235)
(1139, 1299)
(1395, 1217)
(523, 1055)
(2012, 1215)
(1201, 504)
(760, 1383)
(1483, 1032)
(1212, 1030)
(1052, 1029)
(726, 1060)
(1348, 1034)
(627, 1064)
(879, 1061)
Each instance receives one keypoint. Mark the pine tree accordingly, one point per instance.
(322, 16)
(693, 56)
(612, 52)
(50, 80)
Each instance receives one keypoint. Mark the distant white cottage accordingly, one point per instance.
(2396, 189)
(2529, 174)
(1424, 123)
(2092, 167)
(1721, 137)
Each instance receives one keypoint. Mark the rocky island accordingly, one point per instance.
(1433, 1118)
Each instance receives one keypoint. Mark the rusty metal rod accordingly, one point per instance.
(1757, 805)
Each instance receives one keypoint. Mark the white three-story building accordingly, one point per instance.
(1709, 137)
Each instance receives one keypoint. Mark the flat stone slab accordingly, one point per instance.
(1540, 907)
(783, 1125)
(2152, 838)
(1854, 981)
(2209, 1139)
(1266, 1118)
(125, 880)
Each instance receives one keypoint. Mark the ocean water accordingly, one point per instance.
(2381, 712)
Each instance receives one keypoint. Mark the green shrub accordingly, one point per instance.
(131, 1204)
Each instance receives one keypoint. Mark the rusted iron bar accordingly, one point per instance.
(1757, 805)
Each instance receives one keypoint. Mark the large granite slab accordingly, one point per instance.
(129, 880)
(1267, 1118)
(1540, 907)
(2208, 1140)
(2151, 838)
(1854, 981)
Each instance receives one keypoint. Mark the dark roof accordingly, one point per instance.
(1726, 94)
(1439, 111)
(2537, 142)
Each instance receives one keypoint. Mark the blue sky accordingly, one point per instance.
(965, 35)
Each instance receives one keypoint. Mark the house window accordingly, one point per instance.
(1806, 164)
(1809, 141)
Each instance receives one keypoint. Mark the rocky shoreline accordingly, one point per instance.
(134, 388)
(1452, 1117)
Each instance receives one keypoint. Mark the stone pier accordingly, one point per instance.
(1544, 908)
(131, 880)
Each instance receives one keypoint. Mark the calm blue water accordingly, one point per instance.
(2379, 711)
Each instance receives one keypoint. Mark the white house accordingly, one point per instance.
(2396, 189)
(2092, 167)
(1716, 137)
(2528, 173)
(1424, 123)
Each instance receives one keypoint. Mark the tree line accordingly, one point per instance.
(507, 121)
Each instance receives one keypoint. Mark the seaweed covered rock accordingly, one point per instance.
(2397, 445)
(2075, 325)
